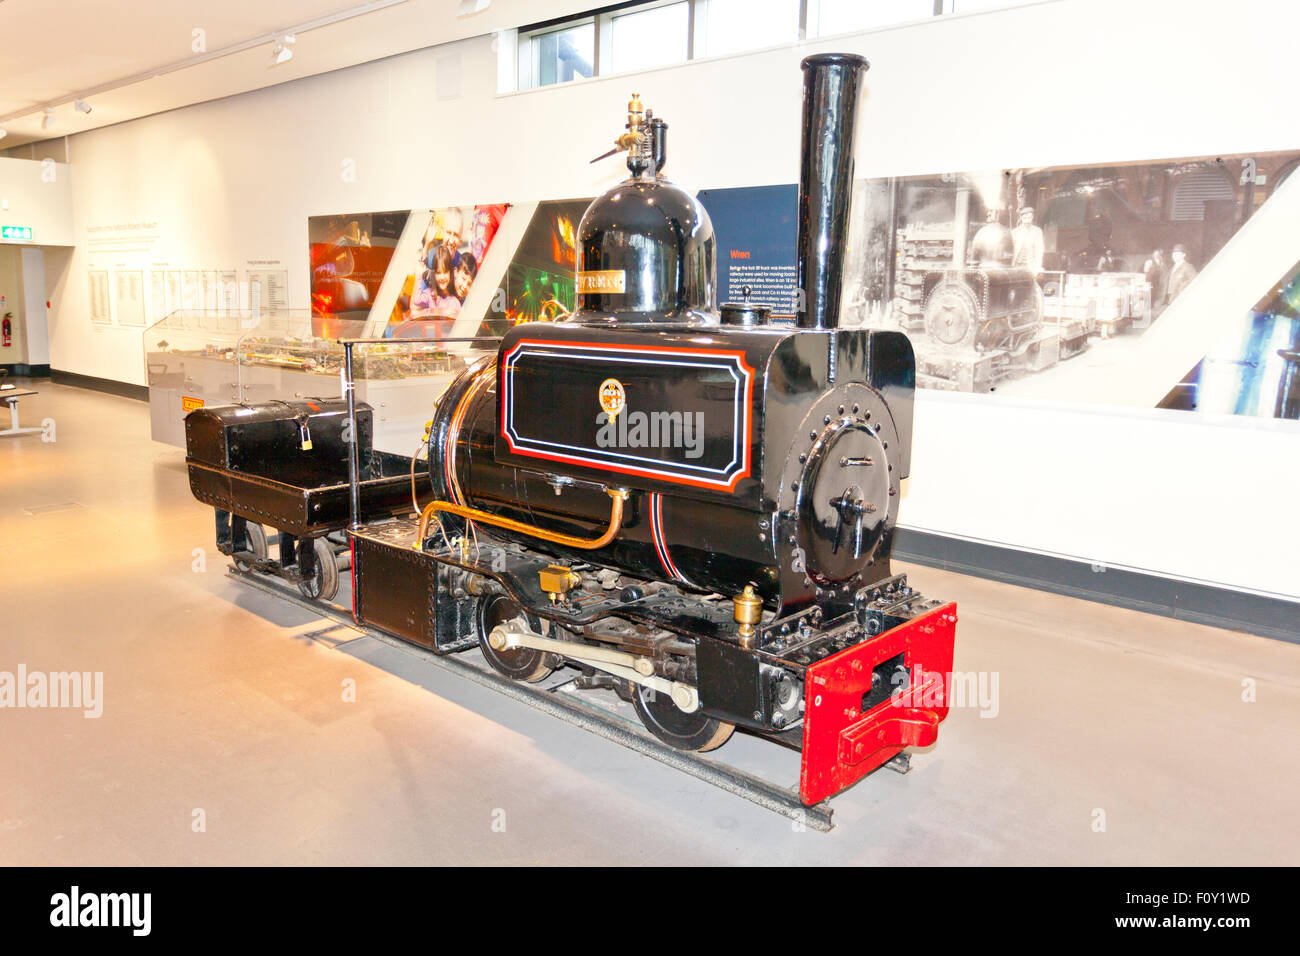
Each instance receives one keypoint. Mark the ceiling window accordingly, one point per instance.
(643, 39)
(628, 37)
(557, 56)
(829, 17)
(733, 26)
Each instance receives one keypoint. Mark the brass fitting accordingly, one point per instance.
(748, 612)
(558, 580)
(635, 122)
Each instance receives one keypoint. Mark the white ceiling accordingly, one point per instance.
(52, 51)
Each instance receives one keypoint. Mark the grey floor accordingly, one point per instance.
(1118, 737)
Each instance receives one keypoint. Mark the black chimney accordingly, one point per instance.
(830, 106)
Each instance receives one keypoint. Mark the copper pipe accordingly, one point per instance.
(482, 377)
(617, 495)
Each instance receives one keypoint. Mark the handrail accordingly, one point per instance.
(349, 393)
(404, 341)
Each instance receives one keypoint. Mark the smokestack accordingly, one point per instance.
(831, 82)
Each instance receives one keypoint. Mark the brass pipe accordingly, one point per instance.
(617, 495)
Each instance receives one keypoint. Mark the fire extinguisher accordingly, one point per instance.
(9, 330)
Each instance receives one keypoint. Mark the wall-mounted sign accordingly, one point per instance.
(15, 232)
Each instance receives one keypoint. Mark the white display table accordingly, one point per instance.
(10, 397)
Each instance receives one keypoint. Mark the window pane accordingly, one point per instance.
(649, 38)
(735, 25)
(564, 54)
(848, 16)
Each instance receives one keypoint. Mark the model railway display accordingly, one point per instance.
(692, 507)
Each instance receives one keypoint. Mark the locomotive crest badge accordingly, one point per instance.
(613, 399)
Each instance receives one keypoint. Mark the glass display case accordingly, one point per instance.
(195, 359)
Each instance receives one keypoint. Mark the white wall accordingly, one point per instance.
(37, 193)
(1063, 82)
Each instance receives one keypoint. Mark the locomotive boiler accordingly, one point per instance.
(687, 504)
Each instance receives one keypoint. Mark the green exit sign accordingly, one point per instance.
(15, 232)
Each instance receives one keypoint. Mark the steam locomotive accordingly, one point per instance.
(691, 505)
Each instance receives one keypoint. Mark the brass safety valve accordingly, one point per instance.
(748, 612)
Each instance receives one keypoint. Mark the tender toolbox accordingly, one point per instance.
(285, 464)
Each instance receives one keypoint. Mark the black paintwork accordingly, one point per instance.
(266, 439)
(743, 313)
(249, 460)
(831, 82)
(396, 590)
(417, 596)
(405, 593)
(661, 238)
(718, 540)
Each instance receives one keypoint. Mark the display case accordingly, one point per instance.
(197, 359)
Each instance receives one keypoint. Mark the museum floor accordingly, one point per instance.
(224, 705)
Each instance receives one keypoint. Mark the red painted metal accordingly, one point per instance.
(841, 744)
(352, 550)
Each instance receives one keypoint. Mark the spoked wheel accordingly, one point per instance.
(324, 584)
(518, 663)
(674, 726)
(256, 543)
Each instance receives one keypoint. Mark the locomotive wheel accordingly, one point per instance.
(256, 543)
(526, 664)
(324, 584)
(674, 726)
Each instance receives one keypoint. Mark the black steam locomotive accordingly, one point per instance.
(691, 505)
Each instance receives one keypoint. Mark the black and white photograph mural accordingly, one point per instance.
(1004, 275)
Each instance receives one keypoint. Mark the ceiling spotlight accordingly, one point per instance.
(468, 8)
(281, 53)
(48, 118)
(82, 106)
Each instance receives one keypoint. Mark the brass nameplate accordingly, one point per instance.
(603, 280)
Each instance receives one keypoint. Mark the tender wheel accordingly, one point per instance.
(674, 726)
(518, 663)
(324, 584)
(256, 544)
